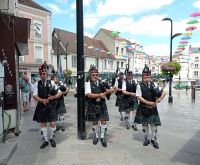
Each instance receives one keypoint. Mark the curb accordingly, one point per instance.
(6, 152)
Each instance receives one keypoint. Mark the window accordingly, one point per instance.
(196, 74)
(122, 64)
(196, 58)
(21, 59)
(111, 64)
(38, 54)
(122, 50)
(117, 50)
(97, 62)
(105, 63)
(117, 63)
(38, 30)
(196, 65)
(74, 61)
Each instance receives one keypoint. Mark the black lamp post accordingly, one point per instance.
(80, 72)
(170, 99)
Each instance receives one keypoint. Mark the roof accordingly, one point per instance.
(32, 4)
(194, 49)
(109, 33)
(70, 38)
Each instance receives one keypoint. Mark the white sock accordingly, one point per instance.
(153, 132)
(62, 118)
(103, 130)
(146, 131)
(58, 119)
(96, 129)
(44, 133)
(52, 132)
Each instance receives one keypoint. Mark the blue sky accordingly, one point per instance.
(136, 20)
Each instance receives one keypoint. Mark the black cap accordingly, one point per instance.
(146, 71)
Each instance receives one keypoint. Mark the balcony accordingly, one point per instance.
(38, 60)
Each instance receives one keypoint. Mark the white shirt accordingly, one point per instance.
(35, 88)
(124, 84)
(88, 87)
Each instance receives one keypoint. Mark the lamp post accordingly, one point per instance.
(66, 53)
(170, 99)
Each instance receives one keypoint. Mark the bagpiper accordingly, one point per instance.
(118, 85)
(46, 94)
(96, 106)
(147, 113)
(129, 101)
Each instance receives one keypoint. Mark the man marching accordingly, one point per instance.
(45, 111)
(97, 110)
(129, 102)
(118, 84)
(147, 113)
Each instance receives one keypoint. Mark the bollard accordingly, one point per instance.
(193, 90)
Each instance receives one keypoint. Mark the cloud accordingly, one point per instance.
(157, 50)
(197, 4)
(55, 9)
(88, 34)
(129, 7)
(149, 25)
(91, 22)
(73, 6)
(87, 2)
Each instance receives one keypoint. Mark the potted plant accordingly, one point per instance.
(170, 67)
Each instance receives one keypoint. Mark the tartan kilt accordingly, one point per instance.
(125, 106)
(118, 100)
(44, 113)
(140, 118)
(60, 107)
(92, 115)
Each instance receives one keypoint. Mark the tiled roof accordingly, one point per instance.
(70, 38)
(32, 4)
(109, 33)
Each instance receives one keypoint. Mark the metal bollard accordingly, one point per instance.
(193, 90)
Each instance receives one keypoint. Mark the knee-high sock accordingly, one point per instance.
(96, 129)
(103, 130)
(58, 119)
(123, 114)
(131, 118)
(145, 129)
(62, 118)
(153, 132)
(52, 132)
(44, 133)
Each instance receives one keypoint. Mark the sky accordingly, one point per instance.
(139, 21)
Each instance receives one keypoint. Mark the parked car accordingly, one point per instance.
(181, 86)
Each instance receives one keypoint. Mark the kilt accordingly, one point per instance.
(126, 106)
(93, 115)
(118, 100)
(142, 118)
(44, 113)
(60, 107)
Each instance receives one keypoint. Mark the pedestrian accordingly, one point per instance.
(129, 101)
(118, 85)
(147, 113)
(96, 106)
(46, 94)
(25, 91)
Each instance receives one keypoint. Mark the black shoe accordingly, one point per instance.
(128, 126)
(134, 127)
(95, 140)
(44, 144)
(62, 128)
(146, 142)
(103, 142)
(155, 144)
(122, 119)
(53, 143)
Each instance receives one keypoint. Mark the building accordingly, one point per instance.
(65, 53)
(40, 41)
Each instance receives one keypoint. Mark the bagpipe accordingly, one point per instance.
(104, 86)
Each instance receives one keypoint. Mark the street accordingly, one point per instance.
(178, 137)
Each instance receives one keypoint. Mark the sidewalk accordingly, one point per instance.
(178, 139)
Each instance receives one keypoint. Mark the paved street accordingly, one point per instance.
(179, 139)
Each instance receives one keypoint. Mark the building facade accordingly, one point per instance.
(40, 41)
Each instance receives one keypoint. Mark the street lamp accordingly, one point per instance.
(170, 99)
